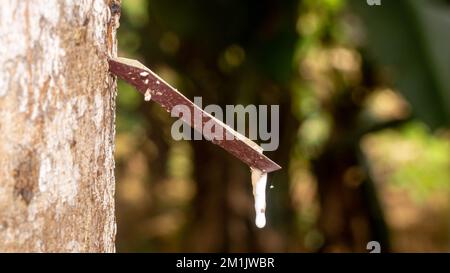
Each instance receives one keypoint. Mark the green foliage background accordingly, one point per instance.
(364, 95)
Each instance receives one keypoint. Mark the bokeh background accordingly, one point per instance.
(364, 94)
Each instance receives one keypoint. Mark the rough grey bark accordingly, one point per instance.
(57, 126)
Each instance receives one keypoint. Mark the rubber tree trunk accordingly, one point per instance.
(57, 126)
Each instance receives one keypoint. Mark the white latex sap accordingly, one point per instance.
(259, 181)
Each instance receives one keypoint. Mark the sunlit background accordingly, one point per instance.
(364, 95)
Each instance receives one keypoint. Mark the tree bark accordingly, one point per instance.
(57, 103)
(351, 215)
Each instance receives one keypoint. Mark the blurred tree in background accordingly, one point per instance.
(364, 114)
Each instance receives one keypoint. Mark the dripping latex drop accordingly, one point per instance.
(259, 182)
